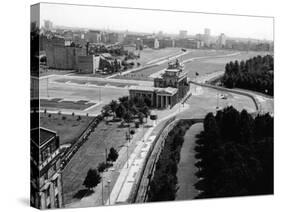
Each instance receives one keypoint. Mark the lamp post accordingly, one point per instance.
(128, 139)
(143, 132)
(99, 94)
(108, 183)
(217, 100)
(102, 202)
(48, 87)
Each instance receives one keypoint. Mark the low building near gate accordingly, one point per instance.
(169, 88)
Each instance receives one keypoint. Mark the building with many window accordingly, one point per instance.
(94, 36)
(88, 64)
(61, 55)
(46, 185)
(207, 37)
(221, 40)
(48, 25)
(169, 87)
(182, 34)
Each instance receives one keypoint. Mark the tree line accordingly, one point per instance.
(254, 74)
(163, 185)
(235, 153)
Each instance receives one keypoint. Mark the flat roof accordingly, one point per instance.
(168, 90)
(41, 135)
(142, 88)
(172, 70)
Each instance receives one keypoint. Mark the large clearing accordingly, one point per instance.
(69, 129)
(201, 65)
(74, 105)
(89, 156)
(148, 56)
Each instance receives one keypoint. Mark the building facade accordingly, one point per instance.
(46, 182)
(48, 25)
(221, 40)
(60, 56)
(187, 43)
(93, 36)
(88, 64)
(169, 88)
(182, 34)
(207, 37)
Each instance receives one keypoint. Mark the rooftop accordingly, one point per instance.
(41, 135)
(168, 90)
(142, 88)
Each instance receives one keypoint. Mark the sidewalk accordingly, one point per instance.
(123, 186)
(102, 190)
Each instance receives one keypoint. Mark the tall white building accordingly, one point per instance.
(222, 40)
(48, 25)
(183, 34)
(156, 43)
(207, 36)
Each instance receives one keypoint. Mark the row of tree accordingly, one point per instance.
(163, 185)
(253, 74)
(128, 109)
(235, 153)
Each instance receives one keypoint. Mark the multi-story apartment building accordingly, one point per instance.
(46, 184)
(62, 56)
(94, 36)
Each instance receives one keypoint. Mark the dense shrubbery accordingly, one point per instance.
(236, 152)
(128, 108)
(163, 186)
(254, 74)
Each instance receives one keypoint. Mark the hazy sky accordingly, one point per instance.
(154, 21)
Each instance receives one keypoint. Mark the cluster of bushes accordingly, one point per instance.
(93, 177)
(163, 185)
(236, 154)
(110, 67)
(253, 74)
(128, 109)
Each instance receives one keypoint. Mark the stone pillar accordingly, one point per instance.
(156, 101)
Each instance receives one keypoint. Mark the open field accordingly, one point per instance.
(207, 66)
(100, 95)
(192, 54)
(200, 65)
(69, 129)
(186, 168)
(148, 56)
(90, 155)
(53, 103)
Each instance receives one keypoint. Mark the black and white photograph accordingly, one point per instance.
(145, 105)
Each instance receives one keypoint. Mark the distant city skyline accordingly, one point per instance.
(151, 21)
